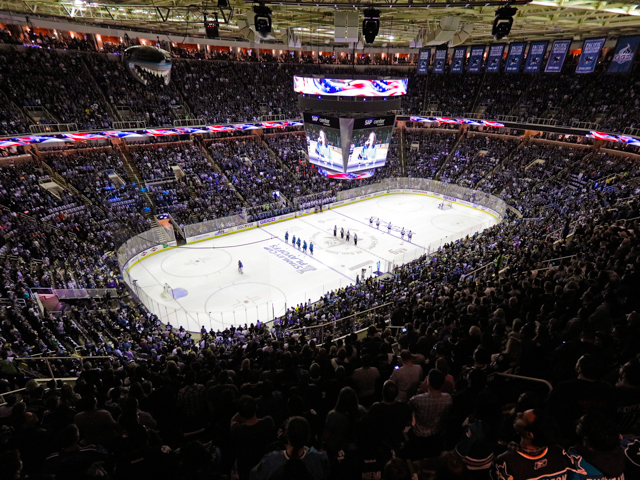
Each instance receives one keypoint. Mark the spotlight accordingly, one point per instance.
(262, 20)
(503, 22)
(371, 24)
(211, 27)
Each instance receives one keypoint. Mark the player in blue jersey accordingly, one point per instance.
(286, 236)
(293, 240)
(311, 248)
(240, 266)
(304, 246)
(298, 243)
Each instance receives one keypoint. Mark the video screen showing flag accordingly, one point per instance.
(347, 176)
(370, 143)
(323, 141)
(350, 87)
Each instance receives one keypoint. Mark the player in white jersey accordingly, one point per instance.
(389, 228)
(410, 234)
(402, 233)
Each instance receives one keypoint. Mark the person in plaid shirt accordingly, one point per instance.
(430, 411)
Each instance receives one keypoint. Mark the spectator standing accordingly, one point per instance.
(390, 417)
(535, 456)
(250, 436)
(298, 434)
(430, 411)
(366, 379)
(407, 377)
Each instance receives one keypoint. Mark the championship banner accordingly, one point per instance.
(475, 59)
(439, 61)
(423, 61)
(535, 56)
(514, 57)
(558, 54)
(459, 53)
(589, 56)
(495, 57)
(626, 49)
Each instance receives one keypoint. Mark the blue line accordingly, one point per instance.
(351, 218)
(314, 258)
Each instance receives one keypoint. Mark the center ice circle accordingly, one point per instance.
(394, 203)
(195, 262)
(254, 297)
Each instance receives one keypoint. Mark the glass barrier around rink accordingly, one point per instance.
(143, 241)
(166, 313)
(448, 189)
(214, 225)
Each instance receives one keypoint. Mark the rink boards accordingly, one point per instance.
(308, 211)
(209, 290)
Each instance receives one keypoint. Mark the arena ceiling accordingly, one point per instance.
(312, 22)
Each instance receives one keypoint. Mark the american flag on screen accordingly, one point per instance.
(35, 139)
(221, 128)
(160, 132)
(350, 87)
(76, 137)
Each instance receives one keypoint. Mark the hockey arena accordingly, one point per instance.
(208, 290)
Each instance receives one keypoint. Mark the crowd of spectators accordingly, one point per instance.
(55, 81)
(152, 103)
(421, 393)
(434, 148)
(194, 192)
(487, 152)
(248, 399)
(226, 89)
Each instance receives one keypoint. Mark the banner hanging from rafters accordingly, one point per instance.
(457, 63)
(495, 57)
(536, 56)
(589, 56)
(559, 51)
(475, 58)
(439, 60)
(626, 49)
(423, 61)
(514, 57)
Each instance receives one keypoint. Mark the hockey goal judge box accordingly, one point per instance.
(445, 205)
(167, 292)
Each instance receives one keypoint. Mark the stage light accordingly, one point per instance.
(262, 20)
(503, 22)
(211, 26)
(371, 24)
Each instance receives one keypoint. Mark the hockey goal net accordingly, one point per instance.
(167, 292)
(445, 205)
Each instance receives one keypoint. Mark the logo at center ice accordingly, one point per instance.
(197, 261)
(292, 259)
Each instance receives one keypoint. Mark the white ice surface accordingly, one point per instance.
(211, 292)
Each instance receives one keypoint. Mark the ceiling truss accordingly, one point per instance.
(312, 22)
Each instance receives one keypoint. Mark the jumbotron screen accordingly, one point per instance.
(323, 141)
(350, 87)
(369, 143)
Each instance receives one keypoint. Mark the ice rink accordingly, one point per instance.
(209, 290)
